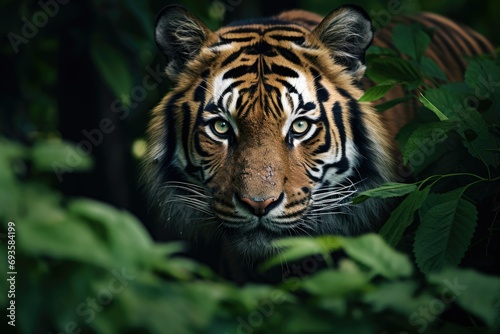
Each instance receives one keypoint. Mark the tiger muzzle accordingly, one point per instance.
(259, 182)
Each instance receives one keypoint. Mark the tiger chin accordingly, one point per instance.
(262, 135)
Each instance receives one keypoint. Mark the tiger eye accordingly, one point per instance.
(300, 126)
(221, 126)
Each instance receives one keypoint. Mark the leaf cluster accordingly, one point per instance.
(451, 149)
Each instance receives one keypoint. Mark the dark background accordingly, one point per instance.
(84, 59)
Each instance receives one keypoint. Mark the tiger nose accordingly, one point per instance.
(261, 206)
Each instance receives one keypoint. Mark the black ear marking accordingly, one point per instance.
(347, 32)
(179, 35)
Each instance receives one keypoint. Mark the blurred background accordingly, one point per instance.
(88, 72)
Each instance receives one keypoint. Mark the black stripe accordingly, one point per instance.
(311, 59)
(185, 132)
(288, 86)
(230, 40)
(261, 48)
(366, 167)
(308, 106)
(200, 94)
(295, 203)
(212, 108)
(284, 71)
(243, 108)
(277, 106)
(287, 28)
(343, 164)
(297, 214)
(321, 92)
(289, 55)
(262, 20)
(299, 40)
(226, 91)
(312, 177)
(243, 30)
(197, 145)
(231, 58)
(171, 142)
(325, 147)
(241, 71)
(344, 93)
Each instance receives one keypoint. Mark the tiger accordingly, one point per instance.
(262, 135)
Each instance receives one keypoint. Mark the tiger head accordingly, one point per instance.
(262, 135)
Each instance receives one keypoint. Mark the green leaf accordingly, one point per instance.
(430, 68)
(384, 191)
(411, 40)
(376, 92)
(477, 138)
(402, 217)
(475, 292)
(113, 69)
(11, 155)
(397, 296)
(306, 320)
(471, 125)
(59, 157)
(372, 251)
(122, 233)
(457, 88)
(379, 51)
(429, 105)
(445, 232)
(67, 239)
(332, 283)
(389, 104)
(296, 248)
(45, 205)
(393, 69)
(423, 140)
(11, 150)
(369, 249)
(484, 76)
(444, 102)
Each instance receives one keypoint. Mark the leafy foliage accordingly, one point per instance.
(445, 232)
(453, 115)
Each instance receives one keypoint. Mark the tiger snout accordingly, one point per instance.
(259, 181)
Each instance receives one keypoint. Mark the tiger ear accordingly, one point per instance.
(179, 35)
(347, 32)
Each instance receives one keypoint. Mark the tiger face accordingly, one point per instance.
(262, 136)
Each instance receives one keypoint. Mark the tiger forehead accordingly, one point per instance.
(261, 69)
(272, 34)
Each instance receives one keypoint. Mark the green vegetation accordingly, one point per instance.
(451, 147)
(86, 266)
